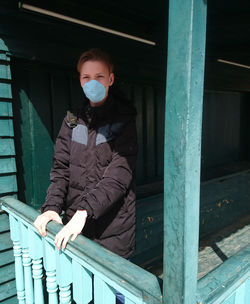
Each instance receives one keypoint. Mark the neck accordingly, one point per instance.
(97, 104)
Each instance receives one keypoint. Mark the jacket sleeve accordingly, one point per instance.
(117, 177)
(59, 175)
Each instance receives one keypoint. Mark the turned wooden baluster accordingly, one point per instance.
(15, 236)
(64, 276)
(36, 253)
(50, 267)
(28, 280)
(82, 283)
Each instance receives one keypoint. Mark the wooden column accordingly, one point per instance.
(184, 95)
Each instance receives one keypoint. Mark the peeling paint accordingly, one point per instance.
(150, 219)
(145, 297)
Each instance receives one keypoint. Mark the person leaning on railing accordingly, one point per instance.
(93, 172)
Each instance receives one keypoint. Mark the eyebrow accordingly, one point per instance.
(84, 74)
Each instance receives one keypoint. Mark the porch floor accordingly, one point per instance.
(218, 247)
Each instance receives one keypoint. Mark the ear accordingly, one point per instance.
(111, 79)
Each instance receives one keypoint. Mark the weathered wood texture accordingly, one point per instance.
(109, 271)
(149, 233)
(7, 269)
(7, 291)
(6, 109)
(217, 248)
(11, 300)
(223, 244)
(7, 163)
(5, 241)
(222, 202)
(182, 145)
(228, 283)
(8, 183)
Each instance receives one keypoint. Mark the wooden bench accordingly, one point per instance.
(224, 205)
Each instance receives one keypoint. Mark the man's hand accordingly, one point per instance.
(73, 228)
(43, 219)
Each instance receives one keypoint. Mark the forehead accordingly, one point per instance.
(92, 67)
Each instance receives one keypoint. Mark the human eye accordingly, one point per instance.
(84, 77)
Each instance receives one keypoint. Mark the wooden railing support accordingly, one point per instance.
(84, 267)
(184, 96)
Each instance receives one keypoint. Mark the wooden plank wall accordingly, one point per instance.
(8, 183)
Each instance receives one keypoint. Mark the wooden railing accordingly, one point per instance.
(229, 283)
(83, 272)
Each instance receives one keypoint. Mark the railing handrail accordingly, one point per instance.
(220, 283)
(127, 275)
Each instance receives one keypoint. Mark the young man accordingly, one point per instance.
(93, 173)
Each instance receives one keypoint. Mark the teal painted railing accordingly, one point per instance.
(83, 272)
(229, 283)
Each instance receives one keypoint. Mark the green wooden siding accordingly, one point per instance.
(6, 109)
(7, 165)
(8, 292)
(8, 182)
(7, 269)
(7, 150)
(6, 128)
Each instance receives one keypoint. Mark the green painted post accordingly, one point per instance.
(184, 94)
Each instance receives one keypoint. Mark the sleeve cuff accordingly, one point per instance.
(84, 206)
(51, 208)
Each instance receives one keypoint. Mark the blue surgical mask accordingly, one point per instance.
(94, 91)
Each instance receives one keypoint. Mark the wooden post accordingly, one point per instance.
(184, 94)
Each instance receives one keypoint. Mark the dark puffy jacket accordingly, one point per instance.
(94, 169)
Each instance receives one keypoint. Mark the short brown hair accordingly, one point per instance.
(95, 55)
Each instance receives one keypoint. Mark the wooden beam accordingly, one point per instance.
(185, 73)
